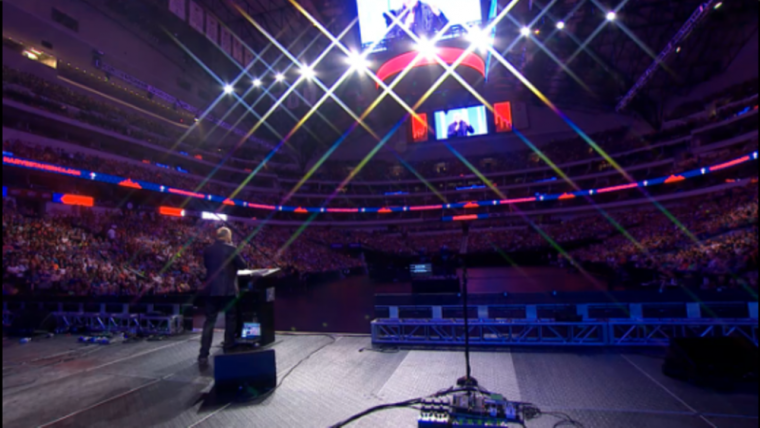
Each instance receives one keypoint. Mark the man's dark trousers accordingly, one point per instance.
(213, 306)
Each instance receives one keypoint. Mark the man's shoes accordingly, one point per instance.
(203, 362)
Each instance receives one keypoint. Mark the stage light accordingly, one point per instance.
(228, 89)
(279, 77)
(307, 72)
(357, 62)
(257, 82)
(427, 48)
(525, 31)
(611, 16)
(719, 5)
(561, 25)
(480, 39)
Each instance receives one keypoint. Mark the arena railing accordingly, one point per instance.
(11, 161)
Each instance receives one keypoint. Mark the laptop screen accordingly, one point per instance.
(251, 330)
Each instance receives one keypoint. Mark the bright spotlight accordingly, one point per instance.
(719, 5)
(611, 16)
(279, 77)
(427, 48)
(257, 82)
(561, 25)
(307, 72)
(480, 39)
(357, 62)
(525, 31)
(228, 89)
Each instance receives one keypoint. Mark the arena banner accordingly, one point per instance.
(196, 16)
(226, 37)
(212, 29)
(177, 7)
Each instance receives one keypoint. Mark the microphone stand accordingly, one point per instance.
(467, 381)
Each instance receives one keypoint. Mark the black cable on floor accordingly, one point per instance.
(565, 419)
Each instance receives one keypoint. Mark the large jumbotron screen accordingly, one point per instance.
(460, 123)
(425, 18)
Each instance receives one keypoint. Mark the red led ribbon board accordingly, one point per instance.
(420, 128)
(75, 200)
(448, 55)
(171, 212)
(503, 116)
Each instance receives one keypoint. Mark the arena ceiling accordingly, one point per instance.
(590, 64)
(606, 58)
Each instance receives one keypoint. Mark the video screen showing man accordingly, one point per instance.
(423, 18)
(382, 21)
(460, 123)
(459, 127)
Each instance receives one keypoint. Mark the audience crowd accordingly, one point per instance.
(133, 253)
(717, 236)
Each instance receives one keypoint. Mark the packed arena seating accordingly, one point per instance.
(89, 258)
(94, 254)
(135, 253)
(717, 236)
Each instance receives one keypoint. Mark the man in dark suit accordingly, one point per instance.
(220, 290)
(460, 128)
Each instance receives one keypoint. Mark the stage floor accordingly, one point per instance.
(60, 383)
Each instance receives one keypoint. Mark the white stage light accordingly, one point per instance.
(561, 25)
(228, 89)
(307, 72)
(357, 62)
(279, 77)
(480, 39)
(427, 48)
(611, 16)
(257, 82)
(525, 31)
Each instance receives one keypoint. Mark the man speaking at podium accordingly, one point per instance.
(220, 290)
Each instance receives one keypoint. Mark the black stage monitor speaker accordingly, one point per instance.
(246, 373)
(711, 361)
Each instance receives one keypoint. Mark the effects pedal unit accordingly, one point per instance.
(471, 410)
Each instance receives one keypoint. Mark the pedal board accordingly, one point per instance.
(470, 410)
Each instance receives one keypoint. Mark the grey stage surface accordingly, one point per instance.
(157, 384)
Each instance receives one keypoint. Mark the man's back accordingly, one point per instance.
(222, 264)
